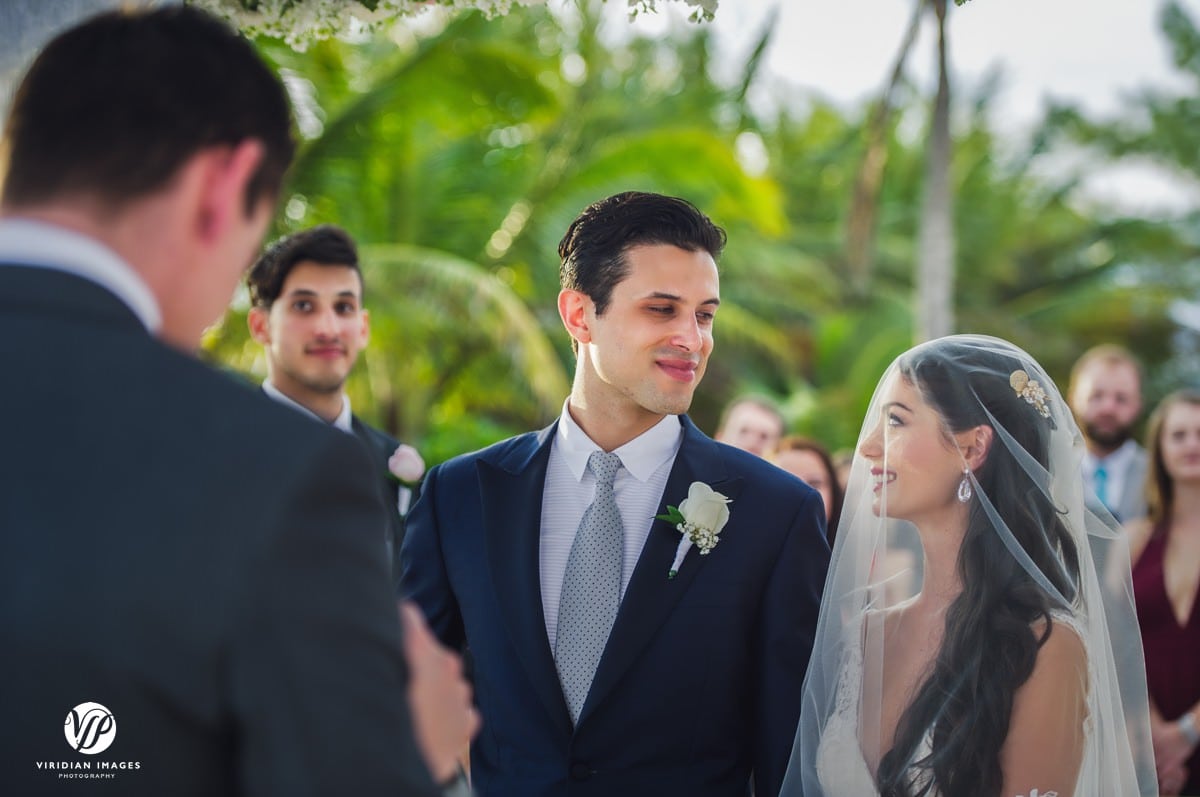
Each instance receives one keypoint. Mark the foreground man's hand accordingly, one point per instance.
(444, 718)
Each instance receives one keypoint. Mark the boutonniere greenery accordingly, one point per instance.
(699, 518)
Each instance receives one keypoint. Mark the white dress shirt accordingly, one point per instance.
(24, 242)
(342, 421)
(646, 463)
(1116, 468)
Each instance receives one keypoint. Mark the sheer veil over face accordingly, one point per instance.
(966, 550)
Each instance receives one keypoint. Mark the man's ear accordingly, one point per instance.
(975, 444)
(366, 326)
(223, 174)
(573, 308)
(259, 322)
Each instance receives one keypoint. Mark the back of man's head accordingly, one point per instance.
(325, 245)
(111, 109)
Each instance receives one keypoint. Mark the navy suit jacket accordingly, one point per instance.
(700, 683)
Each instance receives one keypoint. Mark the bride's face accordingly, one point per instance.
(915, 469)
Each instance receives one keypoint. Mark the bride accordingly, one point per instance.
(977, 634)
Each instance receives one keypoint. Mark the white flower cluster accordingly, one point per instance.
(705, 9)
(300, 22)
(702, 537)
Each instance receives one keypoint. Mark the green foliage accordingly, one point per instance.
(458, 157)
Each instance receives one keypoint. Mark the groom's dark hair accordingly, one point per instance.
(593, 251)
(111, 109)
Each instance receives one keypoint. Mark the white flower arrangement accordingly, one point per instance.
(699, 518)
(301, 22)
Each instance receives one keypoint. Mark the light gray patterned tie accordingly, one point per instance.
(591, 590)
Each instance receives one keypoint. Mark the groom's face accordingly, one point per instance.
(651, 346)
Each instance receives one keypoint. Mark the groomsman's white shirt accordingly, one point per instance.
(1116, 469)
(25, 242)
(646, 463)
(342, 421)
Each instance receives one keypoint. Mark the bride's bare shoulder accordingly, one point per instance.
(891, 619)
(1061, 668)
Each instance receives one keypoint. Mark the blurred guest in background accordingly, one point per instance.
(307, 294)
(1166, 574)
(1106, 397)
(751, 423)
(809, 461)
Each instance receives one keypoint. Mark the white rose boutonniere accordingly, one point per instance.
(406, 464)
(699, 518)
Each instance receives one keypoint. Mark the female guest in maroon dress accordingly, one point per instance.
(1166, 573)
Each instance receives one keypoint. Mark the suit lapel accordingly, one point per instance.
(511, 490)
(651, 596)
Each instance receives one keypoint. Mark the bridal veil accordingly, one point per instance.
(1038, 553)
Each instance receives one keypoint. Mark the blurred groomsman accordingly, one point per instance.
(193, 594)
(307, 296)
(1106, 397)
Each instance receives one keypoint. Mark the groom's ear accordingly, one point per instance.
(573, 309)
(975, 444)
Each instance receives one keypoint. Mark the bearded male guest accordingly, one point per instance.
(609, 658)
(1106, 397)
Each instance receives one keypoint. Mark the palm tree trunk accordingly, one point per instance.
(864, 204)
(935, 249)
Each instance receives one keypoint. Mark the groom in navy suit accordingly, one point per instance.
(612, 657)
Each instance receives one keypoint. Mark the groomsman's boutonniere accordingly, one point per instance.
(699, 518)
(406, 464)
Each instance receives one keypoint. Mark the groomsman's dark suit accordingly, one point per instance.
(699, 684)
(199, 560)
(380, 446)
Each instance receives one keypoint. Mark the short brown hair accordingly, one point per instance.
(1107, 353)
(325, 245)
(112, 108)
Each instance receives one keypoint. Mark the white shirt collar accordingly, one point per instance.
(641, 456)
(1116, 461)
(34, 243)
(342, 421)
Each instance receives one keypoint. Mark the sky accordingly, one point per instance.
(1089, 52)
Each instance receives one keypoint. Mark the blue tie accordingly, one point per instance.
(1100, 479)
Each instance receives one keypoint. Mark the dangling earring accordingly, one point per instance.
(964, 486)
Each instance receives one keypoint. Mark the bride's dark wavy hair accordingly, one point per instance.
(989, 647)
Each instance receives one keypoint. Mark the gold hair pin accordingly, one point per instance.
(1030, 390)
